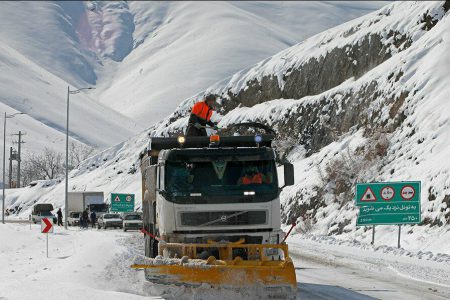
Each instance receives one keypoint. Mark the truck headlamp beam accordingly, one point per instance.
(181, 140)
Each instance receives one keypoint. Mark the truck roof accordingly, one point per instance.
(165, 143)
(219, 153)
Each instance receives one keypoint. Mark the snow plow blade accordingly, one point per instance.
(274, 275)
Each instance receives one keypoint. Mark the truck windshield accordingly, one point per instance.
(221, 178)
(98, 207)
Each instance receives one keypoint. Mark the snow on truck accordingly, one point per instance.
(212, 214)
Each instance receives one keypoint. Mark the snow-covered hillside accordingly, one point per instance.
(145, 57)
(380, 77)
(180, 48)
(26, 87)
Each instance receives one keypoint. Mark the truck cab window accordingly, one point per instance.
(219, 178)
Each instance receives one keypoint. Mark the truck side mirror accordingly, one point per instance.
(150, 179)
(288, 174)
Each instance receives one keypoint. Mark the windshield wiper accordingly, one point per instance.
(227, 217)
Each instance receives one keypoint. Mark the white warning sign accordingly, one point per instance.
(407, 192)
(117, 199)
(387, 193)
(368, 195)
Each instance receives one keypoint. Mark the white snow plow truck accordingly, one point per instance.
(211, 212)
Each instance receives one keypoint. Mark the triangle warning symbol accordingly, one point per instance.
(368, 195)
(117, 199)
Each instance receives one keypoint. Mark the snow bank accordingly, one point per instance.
(75, 268)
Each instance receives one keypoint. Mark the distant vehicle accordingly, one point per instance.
(93, 201)
(74, 218)
(42, 210)
(132, 221)
(109, 220)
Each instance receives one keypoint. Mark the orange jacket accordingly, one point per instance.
(202, 110)
(256, 179)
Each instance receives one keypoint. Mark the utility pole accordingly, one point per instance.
(18, 159)
(19, 156)
(10, 166)
(66, 197)
(4, 160)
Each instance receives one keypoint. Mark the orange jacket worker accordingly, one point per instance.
(201, 116)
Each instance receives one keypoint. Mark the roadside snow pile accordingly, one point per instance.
(75, 269)
(404, 269)
(389, 236)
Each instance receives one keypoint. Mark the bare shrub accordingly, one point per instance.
(351, 167)
(47, 165)
(78, 153)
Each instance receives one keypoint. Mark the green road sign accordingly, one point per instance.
(122, 202)
(387, 192)
(389, 213)
(388, 203)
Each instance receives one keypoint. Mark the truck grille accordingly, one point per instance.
(221, 218)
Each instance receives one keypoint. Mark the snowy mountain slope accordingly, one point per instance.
(148, 56)
(404, 96)
(327, 59)
(402, 99)
(183, 47)
(38, 135)
(28, 88)
(46, 33)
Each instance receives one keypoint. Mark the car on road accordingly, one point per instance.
(42, 210)
(36, 218)
(132, 221)
(74, 218)
(109, 220)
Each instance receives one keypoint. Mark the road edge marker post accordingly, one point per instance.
(46, 227)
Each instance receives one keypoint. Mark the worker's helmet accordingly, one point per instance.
(210, 98)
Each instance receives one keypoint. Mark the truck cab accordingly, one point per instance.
(200, 189)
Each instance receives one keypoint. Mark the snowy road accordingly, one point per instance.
(339, 272)
(95, 263)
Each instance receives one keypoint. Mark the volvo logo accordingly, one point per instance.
(223, 218)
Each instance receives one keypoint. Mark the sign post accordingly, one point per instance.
(46, 227)
(388, 203)
(122, 202)
(373, 234)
